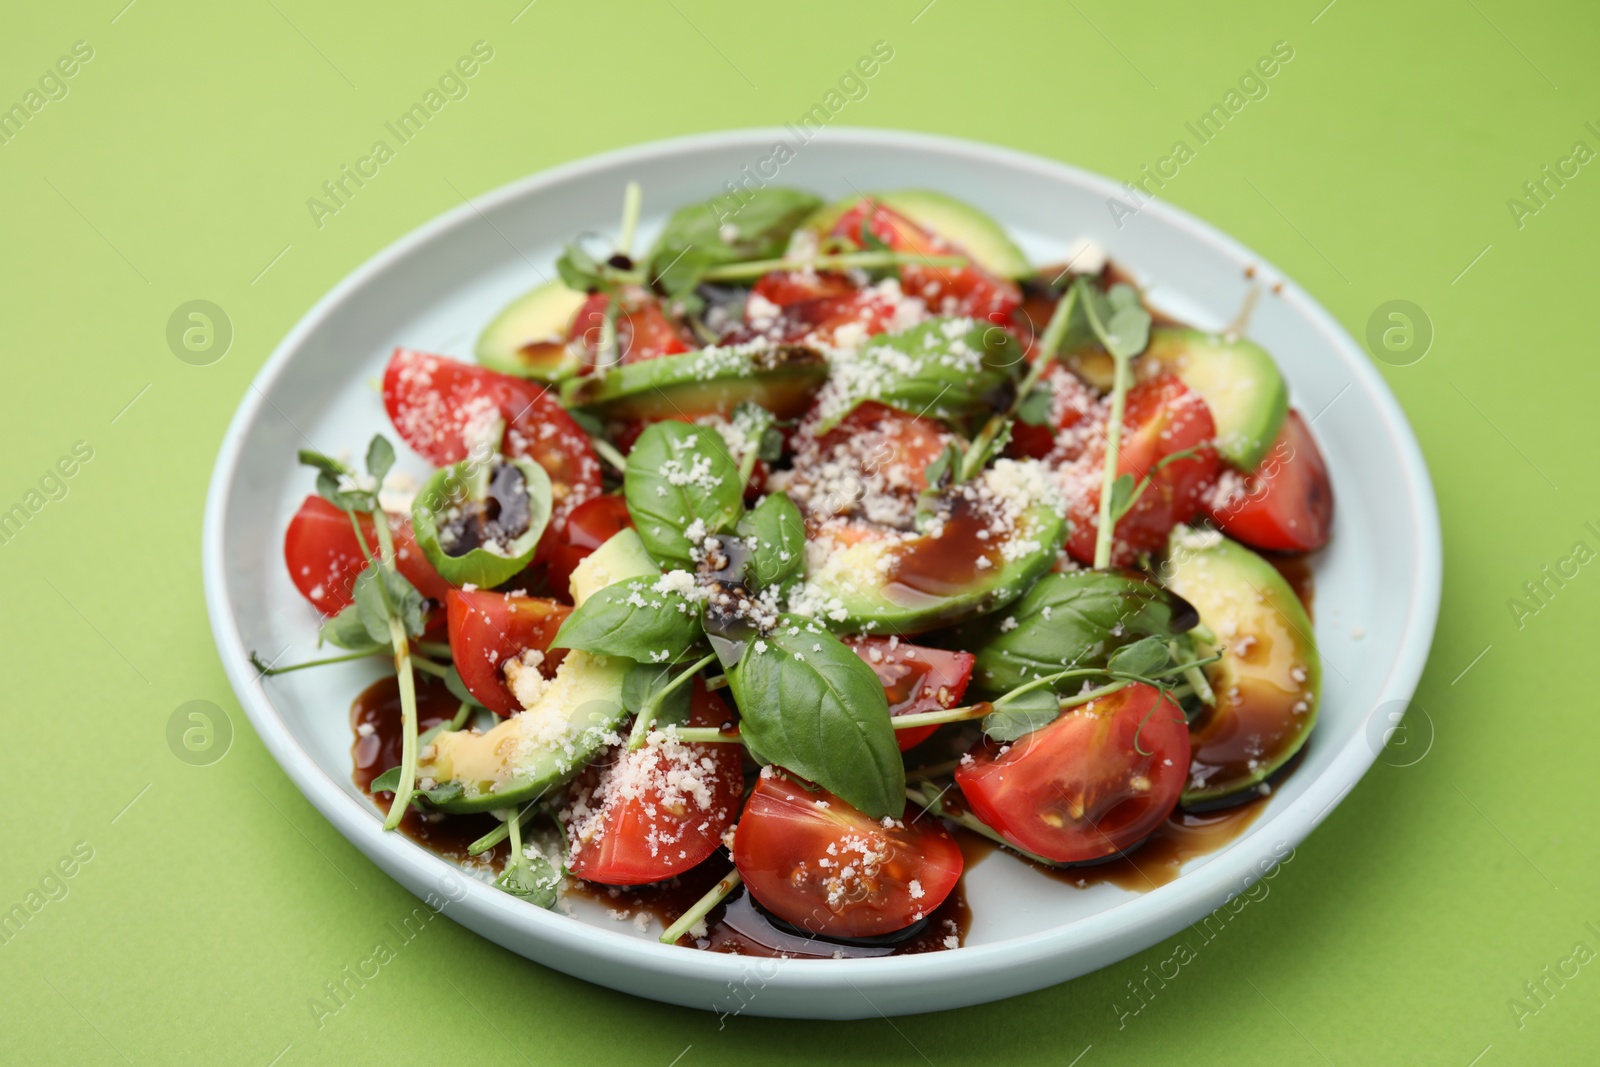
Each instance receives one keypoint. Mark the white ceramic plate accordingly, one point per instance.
(1377, 584)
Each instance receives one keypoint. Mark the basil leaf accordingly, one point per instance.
(812, 706)
(532, 878)
(775, 534)
(579, 270)
(347, 630)
(1033, 710)
(380, 457)
(643, 680)
(329, 473)
(408, 604)
(945, 368)
(678, 473)
(1121, 497)
(727, 229)
(389, 781)
(1075, 619)
(634, 619)
(1145, 657)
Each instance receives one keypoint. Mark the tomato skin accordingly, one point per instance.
(324, 557)
(627, 833)
(1162, 417)
(885, 436)
(590, 525)
(433, 402)
(488, 628)
(1287, 504)
(1083, 772)
(781, 849)
(785, 287)
(915, 679)
(968, 290)
(643, 329)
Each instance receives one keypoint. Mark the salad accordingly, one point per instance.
(770, 568)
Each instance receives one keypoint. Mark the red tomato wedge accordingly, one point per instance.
(785, 287)
(847, 316)
(487, 629)
(324, 557)
(1163, 418)
(968, 290)
(877, 438)
(659, 810)
(643, 329)
(590, 525)
(435, 402)
(1092, 784)
(1287, 504)
(915, 679)
(820, 864)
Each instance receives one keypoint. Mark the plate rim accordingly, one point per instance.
(1151, 910)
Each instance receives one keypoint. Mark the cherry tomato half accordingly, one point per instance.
(1287, 504)
(487, 629)
(915, 679)
(324, 556)
(1073, 407)
(968, 290)
(820, 864)
(785, 287)
(435, 402)
(659, 810)
(643, 329)
(590, 525)
(1094, 783)
(1163, 417)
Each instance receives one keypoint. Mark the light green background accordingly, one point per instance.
(217, 901)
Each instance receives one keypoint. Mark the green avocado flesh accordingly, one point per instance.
(936, 580)
(577, 712)
(780, 378)
(1238, 380)
(963, 225)
(529, 337)
(1268, 683)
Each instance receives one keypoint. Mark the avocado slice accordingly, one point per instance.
(963, 225)
(715, 380)
(1236, 378)
(887, 584)
(1268, 683)
(578, 711)
(529, 337)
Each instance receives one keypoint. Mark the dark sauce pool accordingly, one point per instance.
(378, 706)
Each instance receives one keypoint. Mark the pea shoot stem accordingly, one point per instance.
(702, 907)
(652, 705)
(408, 682)
(498, 834)
(268, 672)
(932, 805)
(608, 452)
(631, 197)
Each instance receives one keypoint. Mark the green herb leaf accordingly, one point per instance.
(1030, 711)
(458, 688)
(389, 782)
(635, 620)
(1144, 658)
(579, 270)
(642, 681)
(1121, 497)
(380, 458)
(726, 229)
(371, 585)
(678, 473)
(329, 473)
(812, 706)
(347, 630)
(532, 878)
(1117, 318)
(1037, 408)
(1075, 619)
(946, 368)
(775, 534)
